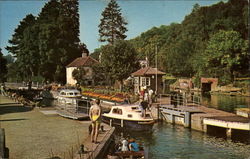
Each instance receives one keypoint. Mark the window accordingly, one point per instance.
(63, 93)
(136, 80)
(117, 111)
(130, 115)
(145, 81)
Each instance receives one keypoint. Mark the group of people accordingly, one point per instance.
(145, 100)
(128, 145)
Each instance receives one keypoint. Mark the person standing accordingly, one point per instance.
(150, 97)
(95, 117)
(144, 105)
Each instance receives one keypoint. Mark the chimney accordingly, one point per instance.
(85, 53)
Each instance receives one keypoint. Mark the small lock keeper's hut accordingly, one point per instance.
(146, 78)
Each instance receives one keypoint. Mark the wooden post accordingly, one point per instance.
(229, 133)
(110, 122)
(187, 119)
(178, 100)
(121, 123)
(159, 115)
(172, 117)
(205, 128)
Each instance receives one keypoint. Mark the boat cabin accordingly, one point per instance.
(70, 93)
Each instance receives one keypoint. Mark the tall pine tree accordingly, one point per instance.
(113, 25)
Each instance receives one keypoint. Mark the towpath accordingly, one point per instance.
(31, 134)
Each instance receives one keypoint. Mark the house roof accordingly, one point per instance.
(148, 71)
(83, 61)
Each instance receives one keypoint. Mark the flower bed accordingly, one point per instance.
(107, 97)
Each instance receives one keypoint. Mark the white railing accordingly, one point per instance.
(181, 99)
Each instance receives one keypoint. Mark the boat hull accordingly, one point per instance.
(129, 124)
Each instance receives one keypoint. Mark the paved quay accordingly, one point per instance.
(31, 134)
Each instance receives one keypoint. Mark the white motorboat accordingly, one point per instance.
(70, 104)
(68, 96)
(128, 116)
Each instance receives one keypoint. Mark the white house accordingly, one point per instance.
(87, 62)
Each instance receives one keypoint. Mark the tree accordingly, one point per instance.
(119, 60)
(178, 59)
(9, 58)
(99, 74)
(43, 46)
(79, 75)
(24, 47)
(58, 38)
(112, 26)
(227, 54)
(3, 68)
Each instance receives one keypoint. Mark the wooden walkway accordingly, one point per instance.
(95, 151)
(201, 116)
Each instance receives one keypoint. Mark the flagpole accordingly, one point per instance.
(156, 88)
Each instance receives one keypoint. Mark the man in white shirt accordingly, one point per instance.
(150, 97)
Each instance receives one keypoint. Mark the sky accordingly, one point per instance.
(141, 16)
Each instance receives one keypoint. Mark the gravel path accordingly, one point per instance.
(32, 135)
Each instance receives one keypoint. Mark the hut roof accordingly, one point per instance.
(148, 71)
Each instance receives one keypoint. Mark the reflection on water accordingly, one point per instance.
(225, 102)
(176, 142)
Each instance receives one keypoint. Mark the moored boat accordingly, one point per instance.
(128, 116)
(70, 104)
(68, 96)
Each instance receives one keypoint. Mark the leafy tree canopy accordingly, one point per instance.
(182, 47)
(119, 60)
(229, 51)
(44, 45)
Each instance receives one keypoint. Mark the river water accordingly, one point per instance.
(225, 102)
(167, 141)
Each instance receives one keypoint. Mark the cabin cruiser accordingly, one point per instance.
(128, 116)
(70, 104)
(68, 96)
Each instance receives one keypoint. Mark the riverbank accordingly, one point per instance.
(32, 134)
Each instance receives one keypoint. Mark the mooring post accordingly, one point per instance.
(187, 119)
(205, 128)
(229, 133)
(178, 100)
(158, 112)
